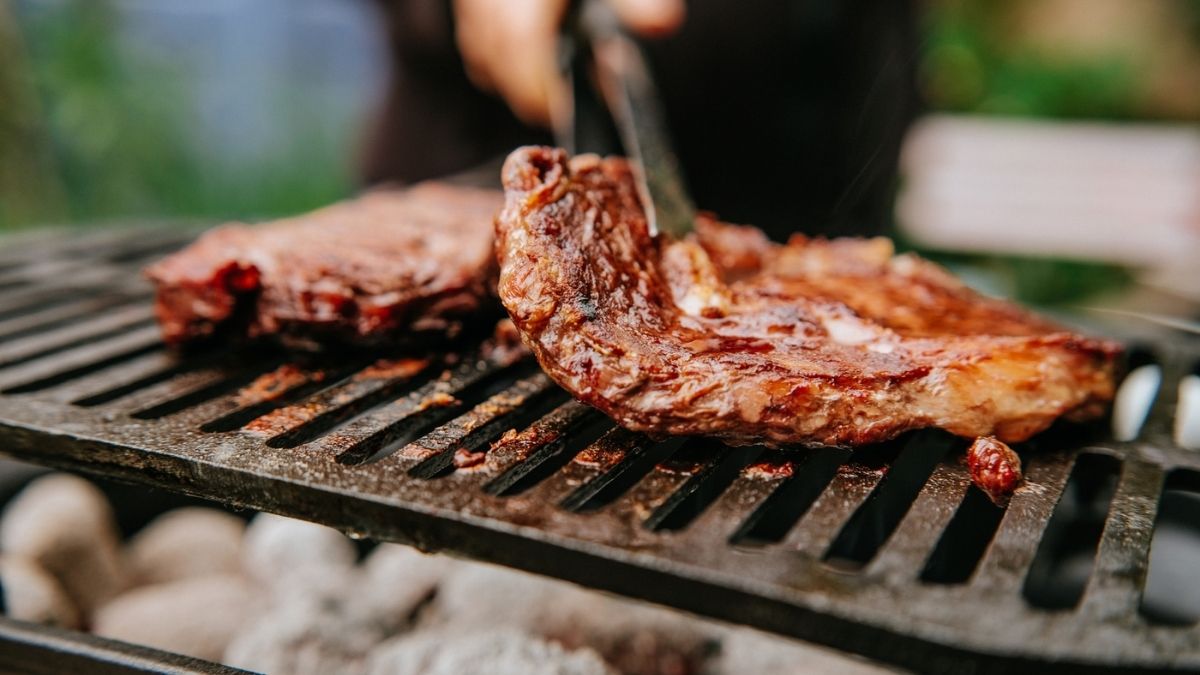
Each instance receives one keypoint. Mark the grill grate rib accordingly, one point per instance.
(71, 364)
(707, 484)
(477, 427)
(492, 460)
(389, 427)
(1123, 556)
(904, 554)
(850, 488)
(204, 402)
(58, 315)
(74, 336)
(1003, 567)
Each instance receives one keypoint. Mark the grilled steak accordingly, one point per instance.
(728, 335)
(381, 267)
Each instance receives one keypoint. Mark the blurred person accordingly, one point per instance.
(785, 114)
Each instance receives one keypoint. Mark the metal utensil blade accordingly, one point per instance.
(626, 109)
(633, 102)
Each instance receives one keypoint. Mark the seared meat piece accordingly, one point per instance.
(369, 270)
(995, 468)
(725, 334)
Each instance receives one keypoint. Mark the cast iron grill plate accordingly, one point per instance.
(886, 552)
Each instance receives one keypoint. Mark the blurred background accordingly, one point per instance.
(1056, 152)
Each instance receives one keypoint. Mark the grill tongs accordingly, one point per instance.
(613, 93)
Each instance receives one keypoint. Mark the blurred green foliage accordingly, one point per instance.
(970, 64)
(1037, 281)
(119, 140)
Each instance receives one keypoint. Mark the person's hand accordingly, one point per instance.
(511, 46)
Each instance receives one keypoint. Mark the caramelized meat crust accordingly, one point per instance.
(726, 334)
(371, 270)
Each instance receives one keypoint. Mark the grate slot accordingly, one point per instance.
(653, 488)
(850, 487)
(964, 540)
(303, 422)
(228, 383)
(76, 335)
(124, 260)
(626, 458)
(875, 521)
(694, 496)
(135, 376)
(291, 384)
(41, 299)
(1136, 393)
(1066, 555)
(1161, 417)
(728, 512)
(55, 316)
(36, 270)
(544, 447)
(86, 282)
(519, 405)
(176, 378)
(88, 243)
(127, 254)
(778, 513)
(584, 467)
(15, 282)
(79, 361)
(18, 246)
(903, 556)
(376, 431)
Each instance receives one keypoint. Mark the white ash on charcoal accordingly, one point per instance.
(66, 526)
(196, 617)
(335, 626)
(288, 596)
(184, 543)
(287, 555)
(395, 583)
(30, 593)
(634, 638)
(302, 635)
(744, 650)
(488, 652)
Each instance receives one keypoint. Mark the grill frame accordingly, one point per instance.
(881, 612)
(44, 650)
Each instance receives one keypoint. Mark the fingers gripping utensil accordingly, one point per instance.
(628, 104)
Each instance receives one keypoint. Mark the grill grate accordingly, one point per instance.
(887, 552)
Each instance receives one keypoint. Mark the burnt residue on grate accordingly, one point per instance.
(887, 551)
